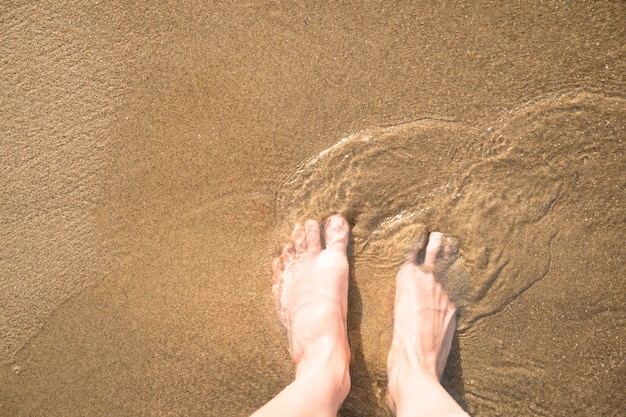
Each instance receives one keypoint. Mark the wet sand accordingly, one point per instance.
(152, 156)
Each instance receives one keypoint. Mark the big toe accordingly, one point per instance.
(432, 249)
(336, 232)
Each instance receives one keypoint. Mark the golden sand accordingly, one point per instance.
(152, 155)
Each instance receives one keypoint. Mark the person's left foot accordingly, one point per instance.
(311, 288)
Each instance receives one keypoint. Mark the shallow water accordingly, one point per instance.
(506, 194)
(154, 155)
(503, 199)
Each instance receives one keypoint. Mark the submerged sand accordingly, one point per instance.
(154, 155)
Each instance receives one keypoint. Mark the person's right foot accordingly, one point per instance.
(424, 321)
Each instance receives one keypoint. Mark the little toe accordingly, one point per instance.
(277, 276)
(336, 232)
(277, 266)
(299, 239)
(313, 240)
(432, 249)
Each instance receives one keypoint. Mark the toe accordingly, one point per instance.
(411, 256)
(336, 233)
(432, 249)
(450, 246)
(277, 266)
(313, 241)
(277, 270)
(287, 254)
(299, 239)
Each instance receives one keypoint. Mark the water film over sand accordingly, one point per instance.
(507, 194)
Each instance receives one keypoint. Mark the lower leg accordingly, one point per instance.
(316, 392)
(424, 322)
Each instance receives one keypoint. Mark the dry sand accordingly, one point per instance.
(153, 153)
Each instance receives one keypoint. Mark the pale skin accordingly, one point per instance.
(311, 288)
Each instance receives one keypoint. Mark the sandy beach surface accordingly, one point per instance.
(153, 156)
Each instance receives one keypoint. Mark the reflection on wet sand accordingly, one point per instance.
(509, 194)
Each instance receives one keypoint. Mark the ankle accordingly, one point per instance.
(331, 371)
(327, 355)
(417, 392)
(407, 374)
(405, 360)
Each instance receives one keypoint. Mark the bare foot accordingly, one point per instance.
(311, 287)
(424, 323)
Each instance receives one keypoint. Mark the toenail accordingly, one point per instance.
(336, 221)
